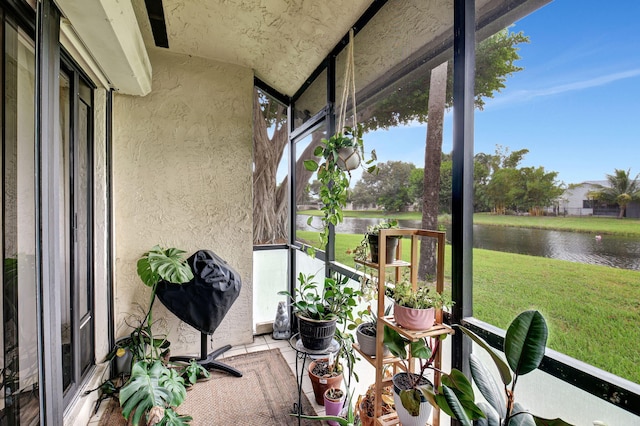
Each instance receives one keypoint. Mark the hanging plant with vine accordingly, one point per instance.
(342, 152)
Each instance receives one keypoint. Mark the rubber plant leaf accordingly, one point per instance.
(488, 386)
(520, 416)
(525, 342)
(461, 386)
(143, 391)
(491, 416)
(503, 367)
(550, 422)
(456, 406)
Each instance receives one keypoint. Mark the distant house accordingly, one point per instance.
(576, 202)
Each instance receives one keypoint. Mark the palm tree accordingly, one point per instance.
(621, 191)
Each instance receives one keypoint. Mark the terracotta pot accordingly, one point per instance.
(406, 418)
(365, 419)
(321, 384)
(414, 319)
(392, 244)
(333, 407)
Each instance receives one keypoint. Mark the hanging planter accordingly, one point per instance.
(341, 153)
(348, 158)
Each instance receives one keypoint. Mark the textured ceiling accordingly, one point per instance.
(283, 41)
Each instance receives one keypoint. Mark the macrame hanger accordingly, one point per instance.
(348, 87)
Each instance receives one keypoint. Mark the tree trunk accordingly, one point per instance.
(270, 199)
(433, 159)
(269, 206)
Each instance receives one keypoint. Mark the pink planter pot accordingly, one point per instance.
(414, 319)
(332, 407)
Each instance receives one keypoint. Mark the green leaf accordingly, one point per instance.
(520, 416)
(491, 416)
(143, 390)
(525, 342)
(463, 389)
(168, 265)
(171, 418)
(488, 386)
(503, 368)
(419, 349)
(395, 342)
(549, 422)
(318, 151)
(456, 407)
(174, 383)
(411, 401)
(310, 165)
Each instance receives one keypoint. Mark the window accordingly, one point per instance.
(76, 310)
(19, 340)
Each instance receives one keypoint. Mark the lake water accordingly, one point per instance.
(609, 250)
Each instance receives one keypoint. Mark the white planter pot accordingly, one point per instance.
(406, 419)
(348, 158)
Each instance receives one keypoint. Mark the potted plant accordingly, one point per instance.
(413, 393)
(524, 348)
(154, 390)
(320, 307)
(333, 403)
(415, 309)
(366, 326)
(365, 405)
(348, 419)
(334, 175)
(313, 305)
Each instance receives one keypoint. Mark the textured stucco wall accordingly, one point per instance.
(182, 177)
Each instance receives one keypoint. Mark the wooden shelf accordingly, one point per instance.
(414, 335)
(390, 419)
(396, 264)
(380, 276)
(372, 359)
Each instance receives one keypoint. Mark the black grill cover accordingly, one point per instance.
(204, 301)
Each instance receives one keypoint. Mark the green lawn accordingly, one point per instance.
(593, 311)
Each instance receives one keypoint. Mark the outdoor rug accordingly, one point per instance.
(263, 396)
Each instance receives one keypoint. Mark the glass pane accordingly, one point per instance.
(270, 169)
(564, 122)
(312, 100)
(81, 178)
(19, 362)
(66, 226)
(307, 190)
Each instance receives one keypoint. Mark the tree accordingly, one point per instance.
(389, 187)
(494, 63)
(621, 191)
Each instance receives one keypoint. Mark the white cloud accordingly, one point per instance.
(526, 95)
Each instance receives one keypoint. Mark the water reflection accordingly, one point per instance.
(616, 251)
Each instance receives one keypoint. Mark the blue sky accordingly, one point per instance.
(576, 104)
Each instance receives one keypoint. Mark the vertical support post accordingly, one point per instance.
(330, 249)
(462, 185)
(48, 176)
(291, 194)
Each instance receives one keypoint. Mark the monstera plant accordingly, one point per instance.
(154, 390)
(524, 347)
